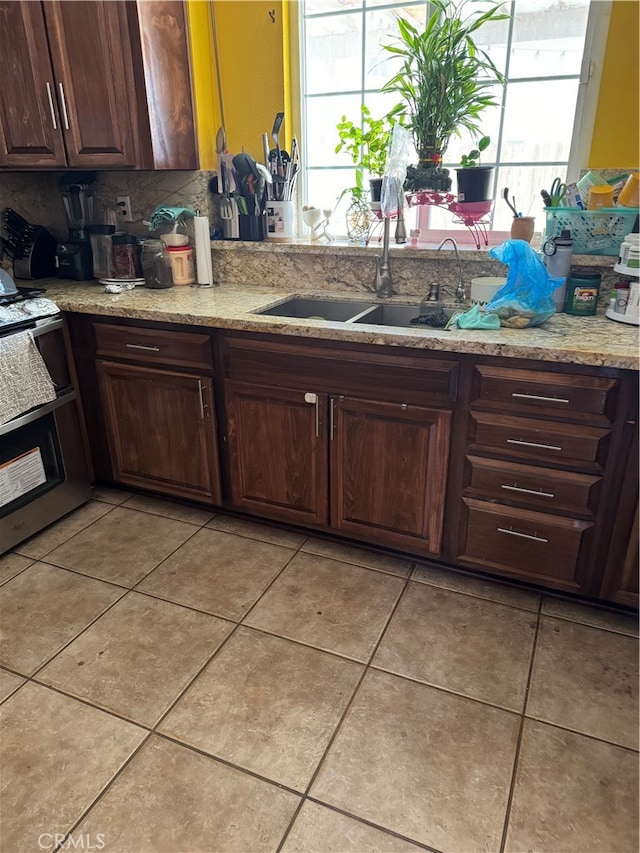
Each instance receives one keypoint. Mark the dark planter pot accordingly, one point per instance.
(474, 184)
(375, 189)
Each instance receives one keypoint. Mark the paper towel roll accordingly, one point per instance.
(204, 269)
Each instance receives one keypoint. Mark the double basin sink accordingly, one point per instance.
(354, 311)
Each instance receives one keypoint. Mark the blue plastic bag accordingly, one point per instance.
(525, 299)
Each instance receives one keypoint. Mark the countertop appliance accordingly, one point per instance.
(31, 247)
(43, 471)
(74, 256)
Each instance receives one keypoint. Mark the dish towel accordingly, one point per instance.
(24, 378)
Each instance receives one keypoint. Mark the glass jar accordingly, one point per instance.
(156, 268)
(358, 217)
(125, 251)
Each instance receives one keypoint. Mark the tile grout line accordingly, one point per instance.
(68, 539)
(343, 716)
(516, 757)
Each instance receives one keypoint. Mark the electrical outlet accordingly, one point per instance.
(124, 203)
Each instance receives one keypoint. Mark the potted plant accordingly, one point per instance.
(445, 82)
(474, 180)
(367, 143)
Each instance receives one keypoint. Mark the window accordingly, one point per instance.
(540, 50)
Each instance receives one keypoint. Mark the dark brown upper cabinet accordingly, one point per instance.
(95, 85)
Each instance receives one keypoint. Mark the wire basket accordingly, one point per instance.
(594, 232)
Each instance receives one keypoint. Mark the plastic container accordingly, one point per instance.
(586, 182)
(633, 261)
(620, 297)
(101, 237)
(125, 256)
(628, 243)
(156, 267)
(633, 305)
(484, 288)
(630, 192)
(583, 289)
(182, 268)
(594, 232)
(599, 197)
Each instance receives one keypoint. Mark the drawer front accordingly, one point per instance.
(540, 488)
(184, 349)
(544, 392)
(420, 379)
(521, 543)
(548, 441)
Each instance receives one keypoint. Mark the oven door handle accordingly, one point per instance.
(38, 413)
(49, 327)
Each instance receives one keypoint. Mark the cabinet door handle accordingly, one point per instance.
(142, 346)
(512, 532)
(533, 444)
(64, 106)
(311, 397)
(538, 492)
(331, 418)
(201, 397)
(538, 397)
(53, 112)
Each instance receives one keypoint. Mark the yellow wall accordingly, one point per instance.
(204, 80)
(615, 142)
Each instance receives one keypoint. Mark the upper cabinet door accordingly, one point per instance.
(90, 51)
(30, 129)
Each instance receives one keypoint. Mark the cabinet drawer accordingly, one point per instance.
(548, 441)
(541, 488)
(534, 391)
(522, 543)
(184, 349)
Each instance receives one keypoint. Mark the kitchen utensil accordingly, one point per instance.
(244, 164)
(265, 148)
(221, 141)
(546, 198)
(557, 192)
(512, 205)
(32, 248)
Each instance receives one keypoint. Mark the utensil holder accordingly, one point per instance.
(522, 228)
(252, 227)
(280, 220)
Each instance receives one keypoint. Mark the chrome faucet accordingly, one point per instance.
(459, 294)
(382, 283)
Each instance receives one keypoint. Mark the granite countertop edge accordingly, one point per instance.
(591, 341)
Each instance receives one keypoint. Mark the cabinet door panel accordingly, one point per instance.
(161, 430)
(31, 134)
(277, 453)
(91, 57)
(388, 470)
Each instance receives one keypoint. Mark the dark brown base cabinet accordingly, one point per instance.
(486, 464)
(371, 470)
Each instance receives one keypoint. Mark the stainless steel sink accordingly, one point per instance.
(340, 310)
(402, 315)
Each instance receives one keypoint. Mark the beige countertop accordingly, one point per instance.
(594, 341)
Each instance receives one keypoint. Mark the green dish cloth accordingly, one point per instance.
(474, 318)
(162, 213)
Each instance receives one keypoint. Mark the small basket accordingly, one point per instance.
(594, 232)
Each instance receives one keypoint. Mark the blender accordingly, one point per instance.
(73, 255)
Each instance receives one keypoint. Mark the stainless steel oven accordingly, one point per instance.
(43, 472)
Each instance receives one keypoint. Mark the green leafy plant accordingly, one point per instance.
(367, 142)
(444, 80)
(471, 160)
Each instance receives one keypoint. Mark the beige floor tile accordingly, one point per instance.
(138, 657)
(42, 609)
(254, 530)
(169, 509)
(481, 587)
(109, 495)
(587, 680)
(57, 755)
(318, 828)
(328, 604)
(43, 543)
(358, 556)
(123, 546)
(429, 765)
(11, 564)
(171, 799)
(8, 683)
(597, 617)
(573, 793)
(465, 644)
(218, 573)
(267, 705)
